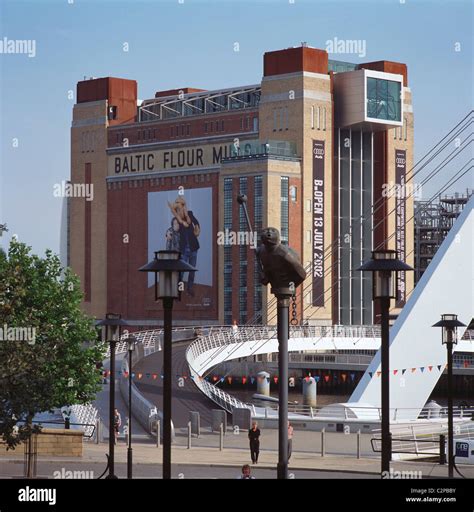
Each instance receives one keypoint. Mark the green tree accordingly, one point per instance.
(52, 360)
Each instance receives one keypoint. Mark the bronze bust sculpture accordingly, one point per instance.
(280, 264)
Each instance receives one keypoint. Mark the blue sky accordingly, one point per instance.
(173, 44)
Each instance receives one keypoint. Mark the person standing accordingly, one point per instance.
(117, 424)
(235, 329)
(290, 439)
(254, 438)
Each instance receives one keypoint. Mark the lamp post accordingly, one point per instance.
(115, 322)
(131, 347)
(280, 267)
(385, 266)
(449, 324)
(167, 267)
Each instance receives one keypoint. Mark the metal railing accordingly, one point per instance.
(221, 337)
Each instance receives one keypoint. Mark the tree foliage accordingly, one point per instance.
(56, 365)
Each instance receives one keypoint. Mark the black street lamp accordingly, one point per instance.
(167, 267)
(385, 267)
(114, 321)
(131, 347)
(281, 268)
(449, 324)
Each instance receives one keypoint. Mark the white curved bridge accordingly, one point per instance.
(447, 286)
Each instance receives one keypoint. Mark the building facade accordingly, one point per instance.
(318, 147)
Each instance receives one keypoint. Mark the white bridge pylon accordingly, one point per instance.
(447, 286)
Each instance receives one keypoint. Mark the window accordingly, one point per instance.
(139, 135)
(318, 119)
(222, 125)
(205, 127)
(284, 214)
(324, 118)
(383, 99)
(188, 129)
(255, 124)
(312, 118)
(405, 127)
(177, 131)
(275, 120)
(182, 129)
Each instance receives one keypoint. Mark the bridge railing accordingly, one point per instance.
(219, 338)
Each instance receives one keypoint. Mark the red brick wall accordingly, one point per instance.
(127, 288)
(166, 131)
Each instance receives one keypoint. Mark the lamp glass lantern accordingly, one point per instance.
(167, 266)
(449, 323)
(385, 266)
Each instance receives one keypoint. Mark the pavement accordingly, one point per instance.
(206, 458)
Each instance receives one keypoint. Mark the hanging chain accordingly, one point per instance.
(294, 313)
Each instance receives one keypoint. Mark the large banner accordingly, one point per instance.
(182, 221)
(318, 222)
(400, 215)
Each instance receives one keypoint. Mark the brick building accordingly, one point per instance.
(314, 146)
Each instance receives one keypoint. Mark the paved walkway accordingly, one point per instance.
(148, 453)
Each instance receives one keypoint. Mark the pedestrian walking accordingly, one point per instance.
(254, 438)
(290, 439)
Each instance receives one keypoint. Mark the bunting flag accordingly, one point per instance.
(343, 376)
(326, 378)
(439, 367)
(214, 378)
(422, 368)
(139, 375)
(466, 364)
(395, 372)
(252, 380)
(379, 373)
(430, 368)
(148, 375)
(244, 380)
(275, 380)
(413, 370)
(370, 374)
(155, 376)
(403, 371)
(353, 377)
(317, 378)
(221, 379)
(229, 380)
